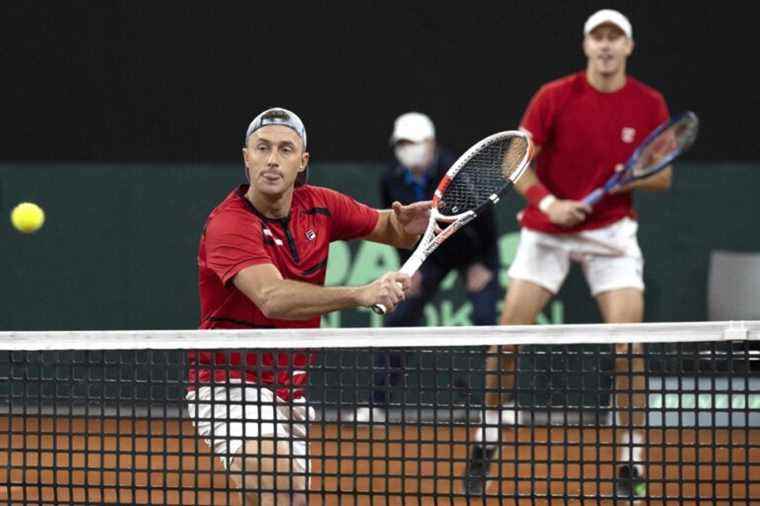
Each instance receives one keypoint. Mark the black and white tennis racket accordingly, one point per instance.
(476, 181)
(656, 152)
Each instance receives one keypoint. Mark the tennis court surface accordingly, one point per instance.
(101, 417)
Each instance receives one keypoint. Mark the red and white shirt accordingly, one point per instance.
(583, 134)
(237, 236)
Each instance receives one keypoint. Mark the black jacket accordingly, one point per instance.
(476, 242)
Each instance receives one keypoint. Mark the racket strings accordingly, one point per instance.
(672, 141)
(486, 173)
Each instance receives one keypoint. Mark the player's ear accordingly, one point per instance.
(630, 47)
(585, 45)
(245, 165)
(304, 161)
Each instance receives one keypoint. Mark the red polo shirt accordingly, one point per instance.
(237, 236)
(583, 134)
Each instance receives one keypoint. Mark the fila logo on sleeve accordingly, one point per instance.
(311, 235)
(628, 134)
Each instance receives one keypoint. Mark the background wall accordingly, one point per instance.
(119, 246)
(179, 81)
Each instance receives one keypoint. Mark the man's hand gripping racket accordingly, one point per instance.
(476, 181)
(655, 153)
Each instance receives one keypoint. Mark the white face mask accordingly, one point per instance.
(412, 155)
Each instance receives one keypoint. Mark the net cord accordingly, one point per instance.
(380, 337)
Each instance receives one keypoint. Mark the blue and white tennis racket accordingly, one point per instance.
(656, 152)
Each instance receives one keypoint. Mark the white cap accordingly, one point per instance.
(608, 16)
(280, 116)
(414, 127)
(277, 116)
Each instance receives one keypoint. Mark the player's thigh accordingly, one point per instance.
(271, 464)
(227, 416)
(524, 300)
(541, 265)
(277, 457)
(613, 272)
(623, 305)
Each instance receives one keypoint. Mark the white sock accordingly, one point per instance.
(492, 429)
(634, 453)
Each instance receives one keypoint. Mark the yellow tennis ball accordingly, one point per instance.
(27, 217)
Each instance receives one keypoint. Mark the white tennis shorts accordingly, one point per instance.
(610, 257)
(228, 415)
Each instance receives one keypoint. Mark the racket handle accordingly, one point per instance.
(594, 197)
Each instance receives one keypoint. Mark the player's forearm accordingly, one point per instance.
(527, 180)
(295, 300)
(534, 191)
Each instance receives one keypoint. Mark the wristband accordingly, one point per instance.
(546, 202)
(536, 193)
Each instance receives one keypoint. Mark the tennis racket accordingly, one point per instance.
(476, 181)
(656, 152)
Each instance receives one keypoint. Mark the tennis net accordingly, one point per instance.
(585, 414)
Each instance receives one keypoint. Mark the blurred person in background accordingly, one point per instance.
(419, 164)
(584, 126)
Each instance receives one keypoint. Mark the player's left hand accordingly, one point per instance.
(626, 187)
(414, 217)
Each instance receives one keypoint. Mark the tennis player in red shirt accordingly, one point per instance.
(262, 262)
(584, 126)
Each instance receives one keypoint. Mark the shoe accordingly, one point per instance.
(630, 483)
(366, 415)
(476, 474)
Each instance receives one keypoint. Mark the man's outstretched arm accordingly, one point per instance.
(286, 299)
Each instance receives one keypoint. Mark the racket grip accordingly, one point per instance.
(594, 197)
(380, 308)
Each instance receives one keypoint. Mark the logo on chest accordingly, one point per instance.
(311, 235)
(628, 134)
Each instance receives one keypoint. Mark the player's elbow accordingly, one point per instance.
(270, 309)
(275, 309)
(269, 302)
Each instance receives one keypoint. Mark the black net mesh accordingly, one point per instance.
(664, 423)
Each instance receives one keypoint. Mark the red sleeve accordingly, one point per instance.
(234, 241)
(350, 219)
(538, 116)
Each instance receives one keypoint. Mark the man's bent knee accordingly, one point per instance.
(268, 468)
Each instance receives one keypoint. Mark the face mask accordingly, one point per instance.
(412, 155)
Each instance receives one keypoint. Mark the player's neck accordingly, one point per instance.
(271, 206)
(606, 83)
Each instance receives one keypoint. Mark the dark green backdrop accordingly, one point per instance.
(118, 248)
